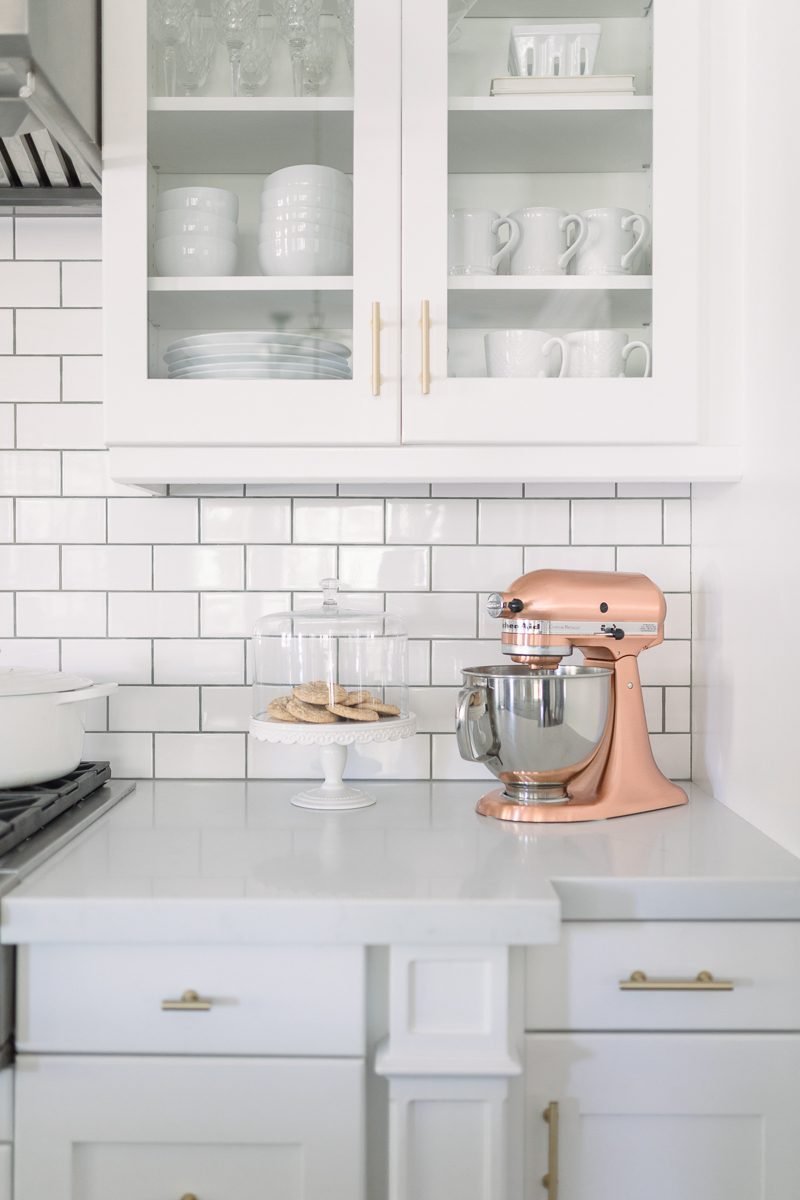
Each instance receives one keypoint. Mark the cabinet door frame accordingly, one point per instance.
(140, 410)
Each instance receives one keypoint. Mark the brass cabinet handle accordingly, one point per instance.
(189, 1002)
(703, 982)
(188, 1196)
(425, 324)
(376, 348)
(550, 1180)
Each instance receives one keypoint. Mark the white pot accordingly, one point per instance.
(42, 721)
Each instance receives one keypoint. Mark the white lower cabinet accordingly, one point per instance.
(670, 1116)
(162, 1129)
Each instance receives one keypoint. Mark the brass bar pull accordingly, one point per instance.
(550, 1180)
(189, 1002)
(188, 1196)
(425, 324)
(376, 348)
(704, 982)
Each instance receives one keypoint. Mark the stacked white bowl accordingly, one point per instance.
(196, 231)
(306, 222)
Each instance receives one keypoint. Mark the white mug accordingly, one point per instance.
(473, 247)
(615, 240)
(601, 353)
(523, 354)
(545, 247)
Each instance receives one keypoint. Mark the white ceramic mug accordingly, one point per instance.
(473, 247)
(523, 354)
(615, 240)
(601, 353)
(545, 247)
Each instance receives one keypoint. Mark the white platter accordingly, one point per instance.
(255, 373)
(258, 358)
(260, 337)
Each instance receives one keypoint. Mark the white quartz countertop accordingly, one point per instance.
(221, 861)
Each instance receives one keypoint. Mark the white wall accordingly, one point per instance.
(746, 538)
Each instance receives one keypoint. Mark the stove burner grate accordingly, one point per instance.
(25, 810)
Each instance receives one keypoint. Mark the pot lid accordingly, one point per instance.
(38, 683)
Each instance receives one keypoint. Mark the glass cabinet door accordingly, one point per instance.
(551, 207)
(252, 221)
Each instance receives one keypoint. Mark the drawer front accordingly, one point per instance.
(576, 984)
(263, 1000)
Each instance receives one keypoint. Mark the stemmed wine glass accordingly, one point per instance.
(298, 22)
(318, 62)
(169, 24)
(236, 25)
(256, 60)
(196, 53)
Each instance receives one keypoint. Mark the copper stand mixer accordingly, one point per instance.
(568, 743)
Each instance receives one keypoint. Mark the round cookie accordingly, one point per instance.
(277, 710)
(361, 698)
(353, 712)
(312, 714)
(385, 710)
(319, 692)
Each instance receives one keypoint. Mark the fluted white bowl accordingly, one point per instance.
(308, 173)
(195, 254)
(298, 255)
(306, 196)
(206, 199)
(269, 230)
(279, 218)
(175, 221)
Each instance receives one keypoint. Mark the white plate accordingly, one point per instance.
(332, 362)
(256, 373)
(265, 350)
(261, 337)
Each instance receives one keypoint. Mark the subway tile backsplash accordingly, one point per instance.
(160, 593)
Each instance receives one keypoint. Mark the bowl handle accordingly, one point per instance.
(88, 693)
(466, 746)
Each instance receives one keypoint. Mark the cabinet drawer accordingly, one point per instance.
(263, 1000)
(576, 984)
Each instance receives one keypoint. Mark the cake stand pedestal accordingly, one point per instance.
(334, 740)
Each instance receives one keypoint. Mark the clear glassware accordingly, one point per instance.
(298, 24)
(169, 25)
(346, 21)
(318, 59)
(195, 54)
(256, 62)
(236, 24)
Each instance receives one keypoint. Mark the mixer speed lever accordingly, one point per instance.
(612, 631)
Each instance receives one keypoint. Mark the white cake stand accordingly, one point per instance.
(333, 794)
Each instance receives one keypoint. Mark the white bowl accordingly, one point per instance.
(305, 256)
(308, 173)
(281, 217)
(195, 254)
(206, 199)
(303, 196)
(174, 221)
(268, 230)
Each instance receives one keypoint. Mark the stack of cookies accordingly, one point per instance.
(322, 703)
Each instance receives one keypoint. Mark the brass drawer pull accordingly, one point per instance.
(188, 1196)
(704, 982)
(189, 1002)
(550, 1180)
(376, 348)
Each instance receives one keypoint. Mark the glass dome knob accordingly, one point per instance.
(330, 592)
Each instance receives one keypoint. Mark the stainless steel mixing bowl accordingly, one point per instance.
(534, 729)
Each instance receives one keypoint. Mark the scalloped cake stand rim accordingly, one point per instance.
(286, 734)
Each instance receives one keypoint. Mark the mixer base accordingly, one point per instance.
(498, 805)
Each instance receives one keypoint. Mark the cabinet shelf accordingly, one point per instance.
(561, 9)
(558, 301)
(243, 301)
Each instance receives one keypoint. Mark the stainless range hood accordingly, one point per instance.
(49, 101)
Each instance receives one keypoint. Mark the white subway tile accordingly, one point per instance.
(666, 665)
(120, 660)
(82, 378)
(29, 379)
(243, 520)
(226, 709)
(448, 763)
(28, 567)
(130, 754)
(134, 709)
(668, 566)
(384, 567)
(434, 708)
(152, 520)
(679, 615)
(337, 521)
(60, 427)
(7, 426)
(106, 568)
(152, 614)
(405, 759)
(673, 754)
(186, 661)
(176, 568)
(477, 490)
(419, 663)
(81, 285)
(570, 491)
(60, 520)
(677, 522)
(449, 658)
(6, 237)
(451, 522)
(384, 489)
(677, 710)
(653, 489)
(59, 330)
(30, 473)
(510, 522)
(475, 568)
(200, 755)
(6, 520)
(234, 614)
(6, 331)
(29, 284)
(435, 614)
(281, 568)
(32, 653)
(58, 237)
(61, 614)
(86, 474)
(7, 614)
(653, 698)
(616, 522)
(96, 715)
(569, 558)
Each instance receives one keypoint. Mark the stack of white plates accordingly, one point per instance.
(306, 222)
(196, 231)
(257, 354)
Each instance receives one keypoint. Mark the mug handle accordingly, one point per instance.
(507, 247)
(629, 223)
(574, 247)
(631, 346)
(557, 341)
